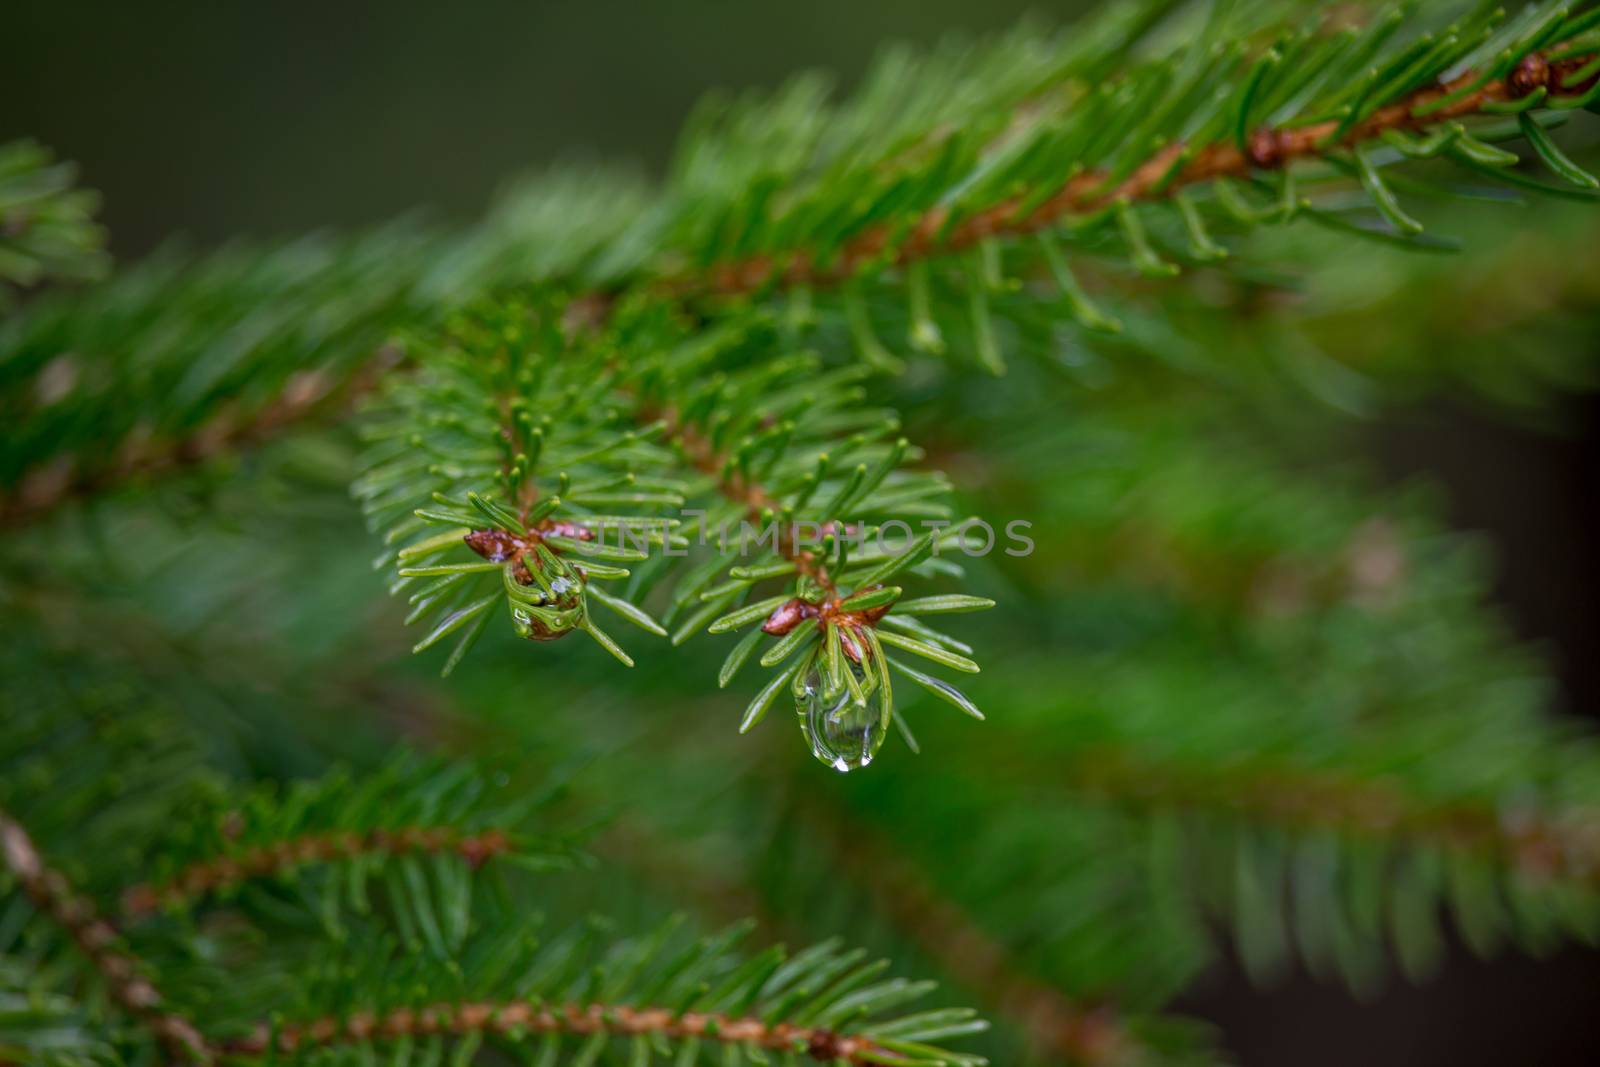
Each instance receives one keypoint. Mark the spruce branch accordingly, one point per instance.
(45, 1027)
(736, 486)
(1062, 1027)
(746, 429)
(535, 419)
(306, 398)
(1090, 1034)
(1213, 135)
(490, 392)
(47, 228)
(937, 160)
(828, 859)
(205, 877)
(661, 995)
(174, 363)
(182, 358)
(940, 929)
(534, 426)
(1163, 175)
(1193, 818)
(412, 822)
(125, 976)
(587, 1020)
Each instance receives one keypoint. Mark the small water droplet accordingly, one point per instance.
(842, 733)
(544, 624)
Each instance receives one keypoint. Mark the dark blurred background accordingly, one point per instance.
(216, 121)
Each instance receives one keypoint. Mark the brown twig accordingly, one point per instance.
(518, 1017)
(758, 503)
(750, 495)
(266, 861)
(306, 395)
(1173, 167)
(98, 941)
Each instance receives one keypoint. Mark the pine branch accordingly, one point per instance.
(534, 425)
(1118, 703)
(1060, 1028)
(419, 829)
(660, 995)
(172, 363)
(654, 414)
(307, 397)
(1229, 819)
(124, 975)
(655, 991)
(936, 926)
(44, 1028)
(532, 1017)
(1184, 143)
(47, 230)
(180, 359)
(929, 190)
(1330, 721)
(205, 877)
(1162, 176)
(745, 493)
(1053, 1023)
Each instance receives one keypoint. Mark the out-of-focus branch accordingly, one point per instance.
(100, 944)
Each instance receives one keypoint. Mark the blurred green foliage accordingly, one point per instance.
(1241, 698)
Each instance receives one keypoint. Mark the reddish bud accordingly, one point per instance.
(1265, 148)
(825, 1046)
(853, 649)
(787, 616)
(496, 546)
(1532, 74)
(1566, 68)
(570, 530)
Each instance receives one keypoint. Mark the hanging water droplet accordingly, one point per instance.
(542, 618)
(843, 732)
